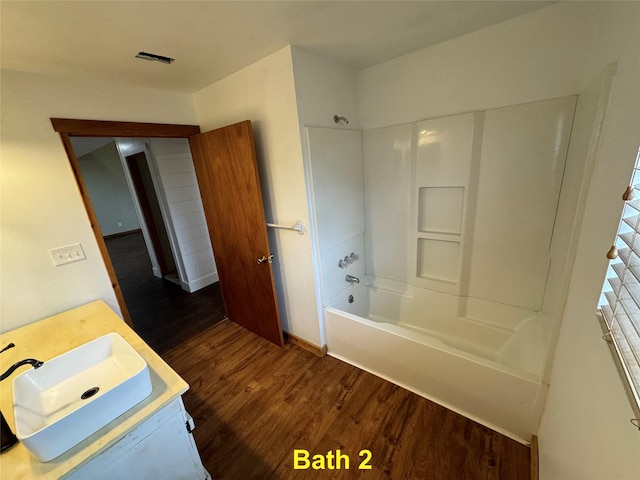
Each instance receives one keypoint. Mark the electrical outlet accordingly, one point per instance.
(68, 254)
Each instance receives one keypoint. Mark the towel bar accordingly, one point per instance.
(298, 227)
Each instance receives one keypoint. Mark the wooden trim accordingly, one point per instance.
(66, 141)
(103, 128)
(319, 351)
(67, 128)
(535, 474)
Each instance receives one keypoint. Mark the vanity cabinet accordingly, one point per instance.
(150, 441)
(162, 447)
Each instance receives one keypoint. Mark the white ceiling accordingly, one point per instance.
(212, 39)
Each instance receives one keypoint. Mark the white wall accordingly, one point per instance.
(264, 93)
(110, 196)
(173, 165)
(173, 173)
(41, 204)
(533, 57)
(324, 88)
(33, 156)
(585, 432)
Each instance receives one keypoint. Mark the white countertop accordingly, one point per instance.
(53, 336)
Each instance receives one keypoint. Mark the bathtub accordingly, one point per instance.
(489, 371)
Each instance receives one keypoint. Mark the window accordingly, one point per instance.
(620, 300)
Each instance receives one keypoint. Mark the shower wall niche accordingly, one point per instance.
(465, 205)
(418, 179)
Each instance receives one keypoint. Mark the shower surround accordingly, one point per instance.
(453, 220)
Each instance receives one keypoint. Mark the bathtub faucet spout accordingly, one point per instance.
(351, 279)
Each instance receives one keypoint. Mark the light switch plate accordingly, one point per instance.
(68, 254)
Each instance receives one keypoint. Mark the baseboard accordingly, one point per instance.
(120, 234)
(319, 351)
(535, 474)
(199, 283)
(156, 272)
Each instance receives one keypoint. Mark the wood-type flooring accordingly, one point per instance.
(163, 314)
(254, 404)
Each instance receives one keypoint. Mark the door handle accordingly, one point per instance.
(264, 259)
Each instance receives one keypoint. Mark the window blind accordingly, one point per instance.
(620, 300)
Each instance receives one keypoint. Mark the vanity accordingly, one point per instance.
(151, 440)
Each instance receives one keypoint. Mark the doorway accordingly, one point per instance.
(163, 314)
(68, 128)
(152, 215)
(123, 195)
(227, 175)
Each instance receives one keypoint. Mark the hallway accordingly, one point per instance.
(163, 314)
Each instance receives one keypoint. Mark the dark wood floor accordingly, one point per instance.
(254, 403)
(163, 314)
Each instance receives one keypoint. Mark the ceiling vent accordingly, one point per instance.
(154, 58)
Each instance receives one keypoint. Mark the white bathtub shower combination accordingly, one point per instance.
(461, 363)
(459, 253)
(496, 340)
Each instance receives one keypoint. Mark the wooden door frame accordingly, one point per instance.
(68, 128)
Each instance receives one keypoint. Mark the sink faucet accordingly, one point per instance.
(26, 361)
(351, 279)
(8, 437)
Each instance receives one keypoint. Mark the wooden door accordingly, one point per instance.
(227, 173)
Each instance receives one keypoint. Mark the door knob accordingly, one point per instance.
(264, 259)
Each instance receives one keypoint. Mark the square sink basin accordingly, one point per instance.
(75, 394)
